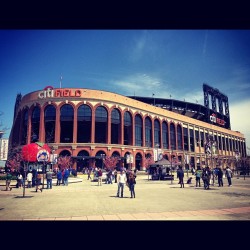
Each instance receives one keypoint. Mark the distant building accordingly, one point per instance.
(4, 149)
(91, 124)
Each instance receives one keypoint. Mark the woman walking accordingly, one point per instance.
(131, 184)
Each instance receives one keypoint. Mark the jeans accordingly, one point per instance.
(49, 183)
(220, 181)
(198, 181)
(66, 181)
(120, 188)
(229, 181)
(132, 190)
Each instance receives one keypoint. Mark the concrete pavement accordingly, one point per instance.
(84, 200)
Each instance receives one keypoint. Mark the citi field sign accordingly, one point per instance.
(50, 92)
(215, 119)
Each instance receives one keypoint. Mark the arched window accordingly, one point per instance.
(35, 124)
(101, 125)
(127, 128)
(84, 118)
(50, 123)
(179, 137)
(148, 132)
(165, 135)
(172, 136)
(66, 122)
(138, 130)
(157, 133)
(24, 127)
(115, 126)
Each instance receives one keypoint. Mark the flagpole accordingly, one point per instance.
(61, 82)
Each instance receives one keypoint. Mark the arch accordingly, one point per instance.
(84, 118)
(115, 126)
(138, 161)
(148, 132)
(35, 124)
(101, 124)
(84, 162)
(138, 130)
(172, 136)
(157, 133)
(24, 126)
(179, 137)
(126, 165)
(127, 128)
(65, 152)
(66, 123)
(165, 135)
(50, 123)
(98, 160)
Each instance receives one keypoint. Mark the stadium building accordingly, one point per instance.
(90, 124)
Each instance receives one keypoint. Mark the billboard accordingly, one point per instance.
(4, 144)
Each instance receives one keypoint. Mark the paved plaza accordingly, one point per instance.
(155, 200)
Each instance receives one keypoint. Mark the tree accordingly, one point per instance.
(64, 162)
(14, 159)
(148, 161)
(110, 162)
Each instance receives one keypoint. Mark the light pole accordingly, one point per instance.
(171, 166)
(102, 156)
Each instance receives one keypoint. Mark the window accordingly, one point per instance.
(186, 143)
(172, 136)
(138, 130)
(127, 129)
(66, 122)
(35, 124)
(84, 118)
(148, 132)
(165, 134)
(49, 123)
(101, 125)
(157, 133)
(24, 127)
(179, 137)
(115, 126)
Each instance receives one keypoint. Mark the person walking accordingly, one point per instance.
(131, 183)
(66, 176)
(59, 177)
(229, 175)
(198, 177)
(180, 175)
(89, 173)
(205, 178)
(220, 177)
(29, 179)
(49, 179)
(8, 180)
(99, 174)
(122, 179)
(39, 182)
(19, 180)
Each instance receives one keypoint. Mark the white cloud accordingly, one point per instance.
(139, 84)
(239, 117)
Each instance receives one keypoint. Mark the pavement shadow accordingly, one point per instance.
(29, 196)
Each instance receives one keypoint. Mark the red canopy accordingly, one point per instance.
(37, 151)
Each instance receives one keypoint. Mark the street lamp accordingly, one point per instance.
(171, 167)
(102, 156)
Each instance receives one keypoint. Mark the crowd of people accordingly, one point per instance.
(208, 176)
(122, 176)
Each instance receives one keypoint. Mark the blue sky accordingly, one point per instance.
(128, 62)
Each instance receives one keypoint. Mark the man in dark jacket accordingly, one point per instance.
(220, 176)
(180, 175)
